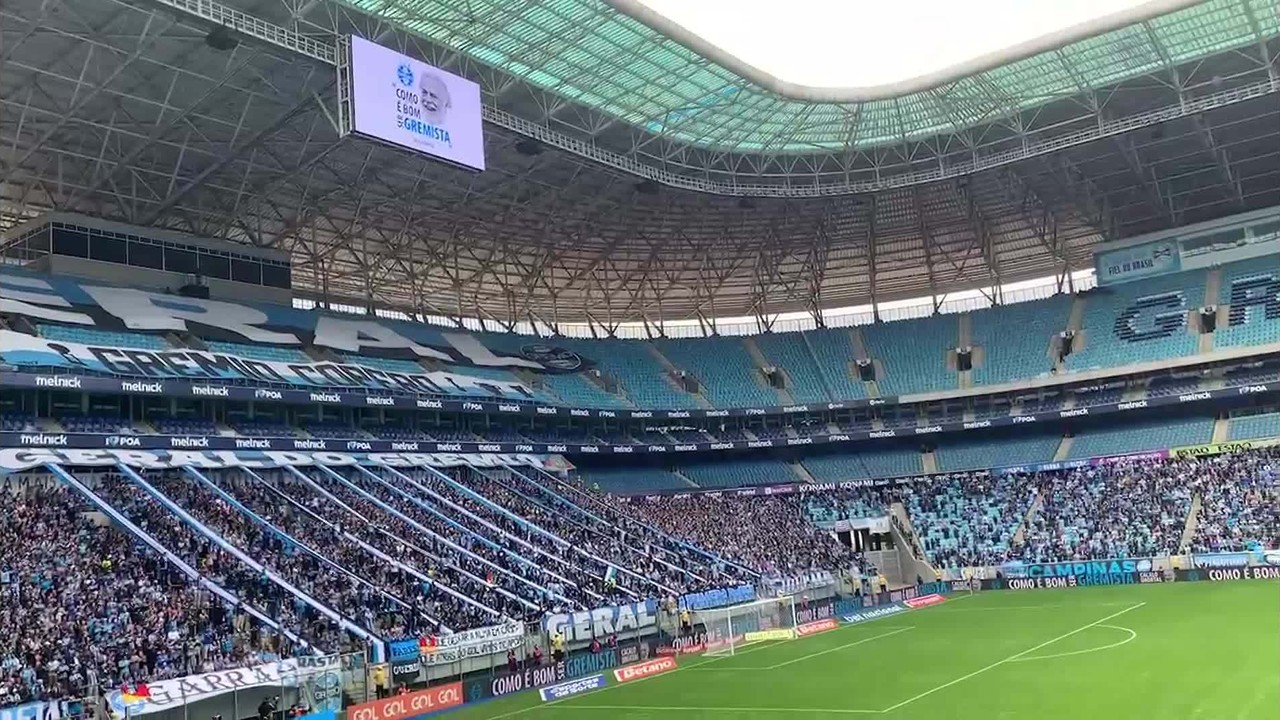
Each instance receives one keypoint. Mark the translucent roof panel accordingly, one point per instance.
(866, 45)
(590, 53)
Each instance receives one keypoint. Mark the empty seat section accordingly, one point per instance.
(388, 364)
(914, 353)
(833, 351)
(738, 473)
(1141, 437)
(1140, 321)
(789, 352)
(1252, 427)
(1015, 338)
(269, 353)
(1251, 289)
(575, 390)
(728, 375)
(984, 454)
(184, 426)
(633, 481)
(886, 463)
(88, 336)
(638, 373)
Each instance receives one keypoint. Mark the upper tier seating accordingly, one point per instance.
(388, 364)
(1252, 290)
(1009, 354)
(638, 373)
(270, 353)
(93, 336)
(789, 352)
(1158, 331)
(725, 369)
(574, 390)
(833, 350)
(1140, 437)
(914, 353)
(102, 424)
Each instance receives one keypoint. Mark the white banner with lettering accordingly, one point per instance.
(477, 642)
(18, 459)
(165, 694)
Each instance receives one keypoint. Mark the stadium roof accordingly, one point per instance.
(132, 111)
(635, 63)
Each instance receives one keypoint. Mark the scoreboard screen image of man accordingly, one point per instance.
(409, 103)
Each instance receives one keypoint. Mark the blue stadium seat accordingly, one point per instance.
(1253, 427)
(726, 370)
(867, 464)
(914, 353)
(632, 364)
(985, 453)
(1252, 289)
(739, 473)
(833, 350)
(270, 353)
(1155, 330)
(93, 336)
(1141, 437)
(789, 352)
(388, 364)
(633, 481)
(1010, 356)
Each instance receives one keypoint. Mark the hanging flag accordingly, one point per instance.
(611, 576)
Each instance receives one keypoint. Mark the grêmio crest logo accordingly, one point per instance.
(552, 357)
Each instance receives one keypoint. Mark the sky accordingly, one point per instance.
(861, 43)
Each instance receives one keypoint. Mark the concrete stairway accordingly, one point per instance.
(1064, 448)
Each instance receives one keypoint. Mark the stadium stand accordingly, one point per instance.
(726, 371)
(1123, 510)
(833, 351)
(1141, 436)
(270, 353)
(738, 473)
(93, 336)
(914, 353)
(633, 481)
(870, 463)
(1251, 427)
(632, 364)
(968, 520)
(790, 352)
(1010, 356)
(981, 453)
(1250, 289)
(1154, 328)
(1240, 503)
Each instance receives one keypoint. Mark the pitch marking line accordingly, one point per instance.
(753, 710)
(1011, 658)
(820, 653)
(1133, 635)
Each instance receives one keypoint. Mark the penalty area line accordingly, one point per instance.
(1011, 658)
(820, 653)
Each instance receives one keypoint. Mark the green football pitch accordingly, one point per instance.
(1177, 651)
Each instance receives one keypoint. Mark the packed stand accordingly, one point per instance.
(1240, 504)
(769, 534)
(87, 606)
(1132, 509)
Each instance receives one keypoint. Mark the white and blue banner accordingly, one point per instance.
(622, 620)
(18, 459)
(20, 349)
(166, 694)
(1136, 262)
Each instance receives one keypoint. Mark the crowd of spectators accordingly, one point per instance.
(769, 534)
(84, 604)
(85, 607)
(1239, 502)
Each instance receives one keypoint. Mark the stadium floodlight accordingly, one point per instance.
(730, 628)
